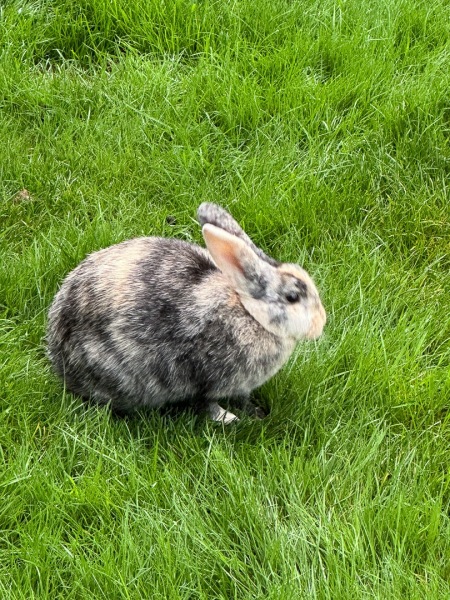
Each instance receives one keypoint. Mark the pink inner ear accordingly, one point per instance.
(223, 250)
(229, 253)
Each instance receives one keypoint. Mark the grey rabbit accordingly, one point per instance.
(154, 321)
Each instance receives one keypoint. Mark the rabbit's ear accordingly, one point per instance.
(213, 214)
(237, 261)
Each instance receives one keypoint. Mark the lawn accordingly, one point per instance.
(324, 128)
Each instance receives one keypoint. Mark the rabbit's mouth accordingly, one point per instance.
(317, 324)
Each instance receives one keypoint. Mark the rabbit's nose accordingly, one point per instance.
(318, 323)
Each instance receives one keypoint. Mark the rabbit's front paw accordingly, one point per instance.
(217, 413)
(250, 409)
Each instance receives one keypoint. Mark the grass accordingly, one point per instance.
(324, 127)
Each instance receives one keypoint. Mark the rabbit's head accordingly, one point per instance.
(281, 297)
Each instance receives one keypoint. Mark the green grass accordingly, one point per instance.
(324, 127)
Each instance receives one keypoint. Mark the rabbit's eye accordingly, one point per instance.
(293, 297)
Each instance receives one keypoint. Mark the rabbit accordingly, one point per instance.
(152, 321)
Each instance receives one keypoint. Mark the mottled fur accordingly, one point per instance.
(152, 321)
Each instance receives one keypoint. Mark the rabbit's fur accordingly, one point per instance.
(154, 321)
